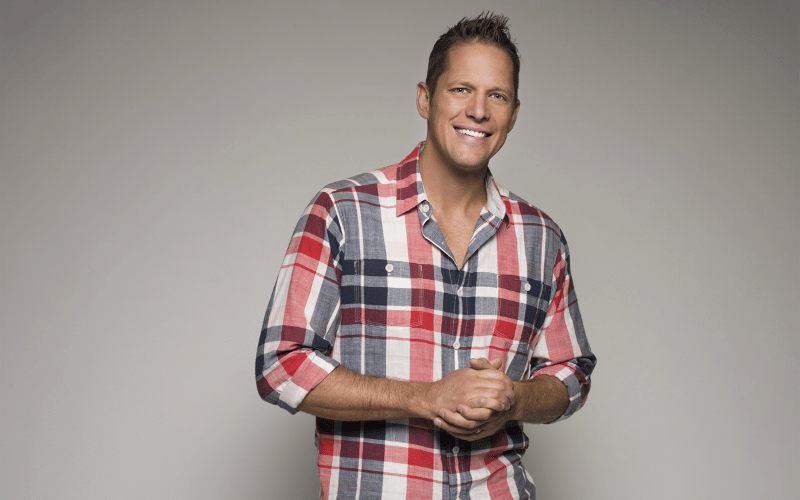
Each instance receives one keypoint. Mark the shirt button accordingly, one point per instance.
(389, 268)
(456, 344)
(456, 449)
(527, 287)
(460, 292)
(426, 208)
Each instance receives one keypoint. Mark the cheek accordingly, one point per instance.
(445, 110)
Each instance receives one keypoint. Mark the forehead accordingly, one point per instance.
(480, 64)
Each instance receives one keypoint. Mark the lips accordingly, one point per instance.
(472, 133)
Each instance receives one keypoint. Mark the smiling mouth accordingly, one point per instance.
(472, 133)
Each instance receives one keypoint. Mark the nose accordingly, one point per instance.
(478, 108)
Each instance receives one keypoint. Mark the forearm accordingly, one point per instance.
(539, 400)
(348, 396)
(542, 399)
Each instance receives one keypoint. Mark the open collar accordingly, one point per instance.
(411, 193)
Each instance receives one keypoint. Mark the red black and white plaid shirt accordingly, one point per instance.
(368, 282)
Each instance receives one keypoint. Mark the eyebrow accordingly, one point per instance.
(461, 83)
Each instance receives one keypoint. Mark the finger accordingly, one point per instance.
(501, 383)
(485, 431)
(475, 414)
(489, 379)
(501, 403)
(457, 423)
(501, 390)
(469, 437)
(496, 363)
(454, 429)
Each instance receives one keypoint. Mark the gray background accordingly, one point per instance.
(156, 156)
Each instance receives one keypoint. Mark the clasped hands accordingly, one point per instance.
(474, 402)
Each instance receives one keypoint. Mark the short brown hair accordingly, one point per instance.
(488, 28)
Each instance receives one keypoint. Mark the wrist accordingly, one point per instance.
(518, 410)
(424, 401)
(540, 400)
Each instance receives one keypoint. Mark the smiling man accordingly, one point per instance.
(423, 313)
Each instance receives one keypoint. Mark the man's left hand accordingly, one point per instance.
(473, 421)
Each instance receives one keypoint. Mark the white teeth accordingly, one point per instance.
(471, 133)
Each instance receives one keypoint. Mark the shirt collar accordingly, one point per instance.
(411, 193)
(408, 180)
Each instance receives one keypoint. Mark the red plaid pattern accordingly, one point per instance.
(369, 282)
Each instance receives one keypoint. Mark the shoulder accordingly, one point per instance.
(382, 182)
(520, 212)
(361, 182)
(377, 187)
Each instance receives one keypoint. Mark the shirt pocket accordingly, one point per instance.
(383, 293)
(515, 318)
(519, 308)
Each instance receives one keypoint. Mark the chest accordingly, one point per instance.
(408, 311)
(457, 232)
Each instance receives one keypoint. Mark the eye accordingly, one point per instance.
(499, 97)
(459, 90)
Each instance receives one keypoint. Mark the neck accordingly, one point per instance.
(452, 190)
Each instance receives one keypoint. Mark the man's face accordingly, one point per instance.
(472, 110)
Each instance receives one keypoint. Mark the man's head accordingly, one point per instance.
(487, 28)
(470, 103)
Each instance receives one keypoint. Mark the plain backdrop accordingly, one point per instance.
(157, 154)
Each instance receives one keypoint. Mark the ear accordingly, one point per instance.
(423, 100)
(514, 115)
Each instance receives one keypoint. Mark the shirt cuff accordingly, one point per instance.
(294, 376)
(577, 386)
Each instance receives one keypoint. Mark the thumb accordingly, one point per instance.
(485, 364)
(481, 364)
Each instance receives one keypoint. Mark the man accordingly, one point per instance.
(422, 312)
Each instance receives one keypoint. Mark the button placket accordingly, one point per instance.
(460, 294)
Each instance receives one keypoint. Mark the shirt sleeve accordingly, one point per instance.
(303, 313)
(562, 349)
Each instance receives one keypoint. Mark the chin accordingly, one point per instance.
(472, 163)
(472, 167)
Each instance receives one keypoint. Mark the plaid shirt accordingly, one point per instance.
(368, 282)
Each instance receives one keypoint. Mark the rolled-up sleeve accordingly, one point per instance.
(303, 313)
(562, 349)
